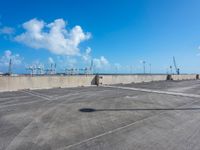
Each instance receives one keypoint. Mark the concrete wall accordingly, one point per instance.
(12, 83)
(184, 77)
(8, 83)
(125, 79)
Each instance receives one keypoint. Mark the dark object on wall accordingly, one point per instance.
(197, 76)
(169, 77)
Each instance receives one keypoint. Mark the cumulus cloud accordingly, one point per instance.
(5, 59)
(71, 62)
(50, 60)
(36, 63)
(142, 61)
(198, 54)
(53, 37)
(87, 55)
(67, 61)
(117, 66)
(7, 30)
(101, 62)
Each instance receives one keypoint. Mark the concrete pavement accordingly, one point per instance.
(118, 119)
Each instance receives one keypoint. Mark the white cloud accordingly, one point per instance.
(37, 64)
(50, 60)
(53, 37)
(86, 56)
(5, 59)
(66, 61)
(142, 61)
(117, 66)
(198, 54)
(71, 62)
(7, 30)
(101, 62)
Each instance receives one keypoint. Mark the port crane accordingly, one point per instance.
(175, 66)
(32, 69)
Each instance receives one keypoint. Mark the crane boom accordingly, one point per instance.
(175, 66)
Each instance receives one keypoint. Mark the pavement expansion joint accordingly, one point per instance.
(121, 128)
(36, 94)
(154, 91)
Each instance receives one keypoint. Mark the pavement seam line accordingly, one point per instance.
(155, 91)
(24, 103)
(33, 119)
(34, 92)
(37, 95)
(118, 129)
(12, 97)
(123, 127)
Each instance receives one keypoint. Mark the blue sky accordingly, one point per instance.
(116, 34)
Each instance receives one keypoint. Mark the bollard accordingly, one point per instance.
(169, 77)
(98, 80)
(197, 77)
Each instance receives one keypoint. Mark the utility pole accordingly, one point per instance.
(91, 67)
(170, 69)
(144, 62)
(10, 67)
(131, 67)
(116, 69)
(51, 70)
(150, 68)
(55, 68)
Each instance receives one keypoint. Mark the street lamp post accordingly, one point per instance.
(150, 68)
(144, 62)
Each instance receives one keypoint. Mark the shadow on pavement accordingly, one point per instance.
(88, 110)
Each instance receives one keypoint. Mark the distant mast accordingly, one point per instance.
(10, 67)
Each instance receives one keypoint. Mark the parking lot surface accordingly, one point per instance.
(162, 115)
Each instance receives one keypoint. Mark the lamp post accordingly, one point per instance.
(170, 69)
(150, 68)
(144, 62)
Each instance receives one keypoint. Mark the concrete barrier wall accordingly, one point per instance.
(125, 79)
(184, 77)
(8, 83)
